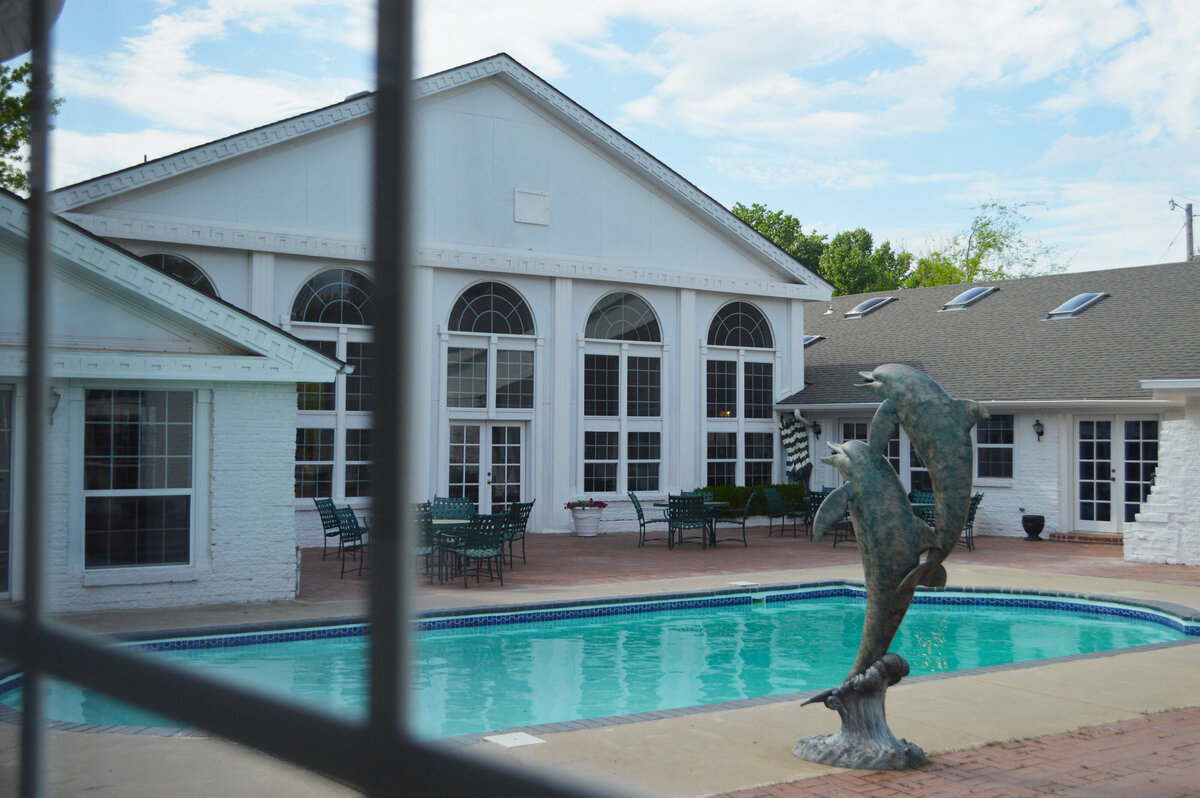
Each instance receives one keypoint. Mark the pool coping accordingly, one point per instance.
(1183, 613)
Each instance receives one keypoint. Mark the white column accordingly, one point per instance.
(563, 444)
(424, 386)
(262, 285)
(690, 398)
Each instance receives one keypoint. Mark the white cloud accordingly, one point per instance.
(81, 156)
(156, 76)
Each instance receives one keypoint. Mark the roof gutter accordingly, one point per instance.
(999, 404)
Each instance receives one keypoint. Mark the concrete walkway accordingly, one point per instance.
(992, 733)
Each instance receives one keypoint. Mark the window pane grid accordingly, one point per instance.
(758, 401)
(600, 453)
(314, 463)
(722, 388)
(360, 385)
(491, 308)
(995, 451)
(466, 377)
(622, 317)
(644, 387)
(644, 453)
(722, 458)
(514, 379)
(358, 462)
(138, 452)
(601, 385)
(317, 395)
(740, 324)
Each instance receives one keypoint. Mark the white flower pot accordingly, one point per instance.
(586, 521)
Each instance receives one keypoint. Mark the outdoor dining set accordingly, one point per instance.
(455, 536)
(695, 517)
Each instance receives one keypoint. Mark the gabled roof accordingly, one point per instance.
(1003, 347)
(264, 353)
(500, 66)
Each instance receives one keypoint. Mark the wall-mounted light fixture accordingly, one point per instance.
(816, 428)
(53, 397)
(1039, 429)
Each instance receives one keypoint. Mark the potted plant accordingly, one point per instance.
(585, 514)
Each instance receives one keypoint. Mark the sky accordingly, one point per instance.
(900, 117)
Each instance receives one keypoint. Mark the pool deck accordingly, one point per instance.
(1120, 724)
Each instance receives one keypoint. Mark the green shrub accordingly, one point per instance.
(793, 496)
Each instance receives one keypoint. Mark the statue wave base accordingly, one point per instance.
(865, 742)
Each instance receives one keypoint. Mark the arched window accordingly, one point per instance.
(740, 398)
(491, 308)
(623, 317)
(740, 324)
(337, 296)
(182, 270)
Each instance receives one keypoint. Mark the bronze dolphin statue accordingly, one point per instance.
(891, 540)
(939, 429)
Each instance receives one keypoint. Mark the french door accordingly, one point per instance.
(1116, 457)
(486, 463)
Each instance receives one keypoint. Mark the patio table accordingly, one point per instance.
(710, 509)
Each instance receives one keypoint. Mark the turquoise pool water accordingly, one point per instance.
(485, 678)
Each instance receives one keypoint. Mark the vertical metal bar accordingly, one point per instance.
(390, 585)
(33, 735)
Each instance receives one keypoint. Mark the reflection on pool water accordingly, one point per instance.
(475, 679)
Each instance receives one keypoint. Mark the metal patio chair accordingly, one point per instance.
(686, 512)
(733, 518)
(352, 538)
(329, 524)
(644, 522)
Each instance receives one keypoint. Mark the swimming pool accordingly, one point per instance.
(486, 672)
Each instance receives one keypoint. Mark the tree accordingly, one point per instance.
(854, 265)
(994, 247)
(14, 126)
(785, 232)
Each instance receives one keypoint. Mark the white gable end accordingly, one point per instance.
(483, 152)
(318, 184)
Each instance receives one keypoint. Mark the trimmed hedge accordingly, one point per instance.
(793, 496)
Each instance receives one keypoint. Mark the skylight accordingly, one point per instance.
(812, 339)
(969, 297)
(1076, 305)
(868, 305)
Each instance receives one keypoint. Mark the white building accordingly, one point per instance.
(588, 322)
(170, 438)
(1093, 406)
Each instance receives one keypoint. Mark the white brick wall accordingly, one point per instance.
(1036, 487)
(1168, 528)
(247, 551)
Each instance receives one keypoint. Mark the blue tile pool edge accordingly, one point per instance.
(1181, 618)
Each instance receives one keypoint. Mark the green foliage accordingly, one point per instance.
(854, 266)
(793, 495)
(15, 97)
(994, 247)
(785, 232)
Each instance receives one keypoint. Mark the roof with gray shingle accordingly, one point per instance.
(1003, 348)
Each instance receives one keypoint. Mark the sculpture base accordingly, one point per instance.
(865, 741)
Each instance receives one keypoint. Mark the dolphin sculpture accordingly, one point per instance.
(891, 540)
(939, 429)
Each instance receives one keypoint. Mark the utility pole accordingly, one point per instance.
(1187, 225)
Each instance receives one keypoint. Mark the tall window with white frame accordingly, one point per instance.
(489, 356)
(994, 452)
(137, 477)
(333, 313)
(739, 395)
(622, 396)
